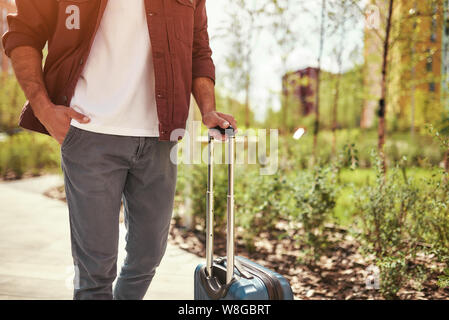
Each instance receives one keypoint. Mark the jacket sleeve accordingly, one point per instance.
(203, 65)
(32, 25)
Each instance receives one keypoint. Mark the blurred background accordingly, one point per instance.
(359, 206)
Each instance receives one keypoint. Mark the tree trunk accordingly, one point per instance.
(382, 101)
(247, 110)
(284, 102)
(413, 76)
(446, 161)
(337, 90)
(316, 129)
(335, 115)
(317, 90)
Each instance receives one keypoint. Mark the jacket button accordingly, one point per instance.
(64, 99)
(81, 61)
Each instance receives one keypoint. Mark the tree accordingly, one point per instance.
(281, 14)
(382, 101)
(317, 90)
(240, 34)
(340, 14)
(412, 76)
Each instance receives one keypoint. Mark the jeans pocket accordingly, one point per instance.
(70, 137)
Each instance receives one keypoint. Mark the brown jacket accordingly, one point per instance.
(179, 39)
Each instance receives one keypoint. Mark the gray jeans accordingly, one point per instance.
(100, 170)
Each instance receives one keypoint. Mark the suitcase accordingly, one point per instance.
(230, 277)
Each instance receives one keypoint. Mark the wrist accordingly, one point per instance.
(207, 115)
(207, 112)
(41, 107)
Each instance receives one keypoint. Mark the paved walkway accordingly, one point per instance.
(35, 258)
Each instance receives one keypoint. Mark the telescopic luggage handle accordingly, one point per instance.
(230, 135)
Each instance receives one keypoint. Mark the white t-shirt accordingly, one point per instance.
(116, 88)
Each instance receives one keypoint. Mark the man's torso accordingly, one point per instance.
(118, 94)
(179, 46)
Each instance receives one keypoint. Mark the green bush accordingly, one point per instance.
(393, 274)
(396, 217)
(22, 152)
(11, 102)
(29, 153)
(194, 177)
(388, 213)
(266, 200)
(420, 151)
(433, 223)
(315, 199)
(261, 202)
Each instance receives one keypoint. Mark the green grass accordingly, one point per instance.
(352, 180)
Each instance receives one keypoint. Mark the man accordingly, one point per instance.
(115, 87)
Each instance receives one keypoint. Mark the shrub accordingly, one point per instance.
(421, 150)
(28, 152)
(315, 199)
(393, 273)
(194, 179)
(264, 202)
(433, 223)
(398, 215)
(11, 102)
(386, 210)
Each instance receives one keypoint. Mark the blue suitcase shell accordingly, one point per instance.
(264, 284)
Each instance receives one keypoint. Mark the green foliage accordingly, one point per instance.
(443, 280)
(421, 151)
(397, 216)
(435, 222)
(385, 210)
(315, 199)
(265, 201)
(194, 177)
(27, 152)
(350, 102)
(21, 152)
(350, 99)
(261, 202)
(384, 207)
(11, 102)
(393, 274)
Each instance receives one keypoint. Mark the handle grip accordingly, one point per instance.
(229, 131)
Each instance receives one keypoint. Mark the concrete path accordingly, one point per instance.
(35, 258)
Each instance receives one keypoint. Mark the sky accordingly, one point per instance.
(267, 65)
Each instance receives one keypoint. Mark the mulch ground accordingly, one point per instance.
(340, 274)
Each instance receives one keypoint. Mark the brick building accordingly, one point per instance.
(6, 6)
(299, 89)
